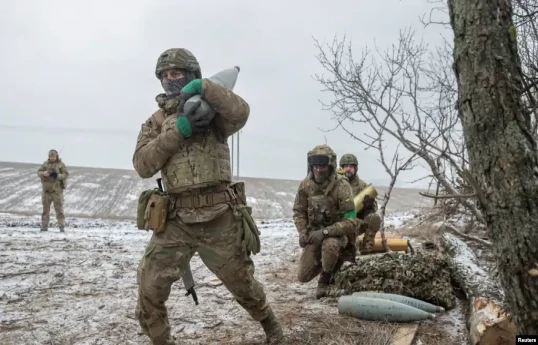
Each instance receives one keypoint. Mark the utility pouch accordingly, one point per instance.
(249, 234)
(152, 210)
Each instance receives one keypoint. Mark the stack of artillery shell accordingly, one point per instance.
(396, 243)
(386, 307)
(413, 302)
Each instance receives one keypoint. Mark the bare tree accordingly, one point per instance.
(396, 167)
(503, 152)
(407, 92)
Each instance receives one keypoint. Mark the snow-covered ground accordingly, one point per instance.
(79, 287)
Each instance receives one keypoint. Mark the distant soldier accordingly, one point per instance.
(325, 218)
(206, 211)
(53, 175)
(372, 221)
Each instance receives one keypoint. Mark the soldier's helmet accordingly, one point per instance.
(322, 155)
(349, 159)
(178, 58)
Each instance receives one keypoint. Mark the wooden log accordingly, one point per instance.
(405, 334)
(488, 323)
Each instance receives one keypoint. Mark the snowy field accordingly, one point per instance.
(113, 193)
(79, 287)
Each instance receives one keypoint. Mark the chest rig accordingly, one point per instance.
(200, 161)
(323, 209)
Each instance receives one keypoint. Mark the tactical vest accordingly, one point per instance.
(323, 209)
(357, 185)
(200, 161)
(50, 184)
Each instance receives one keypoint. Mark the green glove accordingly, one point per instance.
(191, 123)
(192, 88)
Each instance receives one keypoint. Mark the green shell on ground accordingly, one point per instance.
(425, 276)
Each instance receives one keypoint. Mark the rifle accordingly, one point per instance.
(187, 277)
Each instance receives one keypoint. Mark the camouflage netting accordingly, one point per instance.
(425, 276)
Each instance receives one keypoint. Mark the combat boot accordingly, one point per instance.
(323, 284)
(163, 339)
(62, 228)
(336, 268)
(44, 228)
(272, 329)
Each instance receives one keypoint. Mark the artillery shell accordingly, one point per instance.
(374, 309)
(413, 302)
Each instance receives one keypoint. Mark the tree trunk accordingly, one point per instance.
(502, 151)
(488, 323)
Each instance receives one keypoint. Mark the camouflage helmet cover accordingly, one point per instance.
(323, 150)
(349, 159)
(177, 58)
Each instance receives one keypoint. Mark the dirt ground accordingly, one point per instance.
(80, 288)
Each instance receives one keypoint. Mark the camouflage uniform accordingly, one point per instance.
(323, 206)
(52, 191)
(202, 216)
(372, 221)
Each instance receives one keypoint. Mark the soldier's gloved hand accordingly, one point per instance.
(193, 123)
(194, 87)
(368, 203)
(303, 240)
(316, 237)
(53, 174)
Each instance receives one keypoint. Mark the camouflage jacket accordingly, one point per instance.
(53, 185)
(159, 139)
(339, 190)
(358, 186)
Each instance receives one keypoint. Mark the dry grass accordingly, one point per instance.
(329, 329)
(342, 331)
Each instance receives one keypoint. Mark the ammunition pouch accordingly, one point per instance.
(152, 210)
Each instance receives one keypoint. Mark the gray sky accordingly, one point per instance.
(71, 66)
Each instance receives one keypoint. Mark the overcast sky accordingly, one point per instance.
(71, 66)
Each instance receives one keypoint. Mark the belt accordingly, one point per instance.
(197, 198)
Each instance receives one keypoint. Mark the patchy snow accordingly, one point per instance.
(398, 219)
(466, 261)
(113, 193)
(90, 185)
(79, 287)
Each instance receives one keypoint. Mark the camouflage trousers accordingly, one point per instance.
(58, 199)
(316, 258)
(372, 223)
(169, 252)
